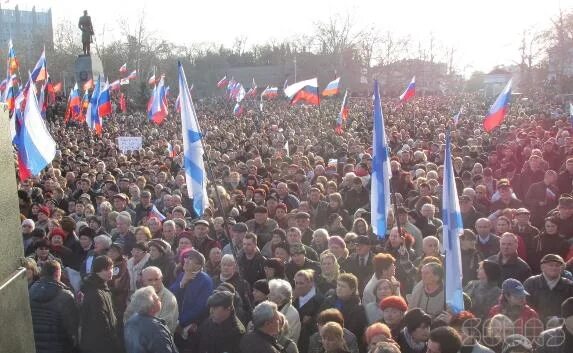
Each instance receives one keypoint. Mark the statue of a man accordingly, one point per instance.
(87, 29)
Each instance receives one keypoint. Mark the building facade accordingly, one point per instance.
(30, 31)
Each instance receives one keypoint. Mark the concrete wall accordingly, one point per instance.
(15, 318)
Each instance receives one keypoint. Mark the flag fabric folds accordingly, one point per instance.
(410, 91)
(36, 148)
(12, 64)
(157, 106)
(122, 103)
(498, 109)
(222, 82)
(342, 115)
(452, 229)
(74, 104)
(132, 75)
(154, 212)
(332, 88)
(89, 84)
(380, 189)
(123, 68)
(195, 175)
(270, 92)
(39, 73)
(92, 114)
(457, 117)
(306, 91)
(104, 102)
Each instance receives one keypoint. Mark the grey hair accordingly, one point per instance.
(152, 269)
(228, 258)
(320, 231)
(103, 239)
(169, 223)
(124, 216)
(142, 300)
(263, 313)
(281, 289)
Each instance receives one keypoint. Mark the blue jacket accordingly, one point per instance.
(147, 334)
(192, 299)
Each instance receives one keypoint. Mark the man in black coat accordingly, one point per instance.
(55, 317)
(308, 303)
(251, 262)
(512, 266)
(222, 331)
(318, 209)
(98, 322)
(360, 263)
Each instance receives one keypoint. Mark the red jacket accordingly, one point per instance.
(527, 324)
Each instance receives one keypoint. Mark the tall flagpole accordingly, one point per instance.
(213, 181)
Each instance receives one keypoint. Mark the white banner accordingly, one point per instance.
(129, 143)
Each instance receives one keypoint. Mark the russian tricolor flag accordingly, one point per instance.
(36, 148)
(12, 61)
(270, 92)
(115, 85)
(306, 91)
(342, 115)
(123, 68)
(39, 72)
(104, 102)
(154, 212)
(157, 106)
(498, 109)
(410, 91)
(75, 103)
(332, 88)
(89, 84)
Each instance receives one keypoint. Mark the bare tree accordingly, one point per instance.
(337, 34)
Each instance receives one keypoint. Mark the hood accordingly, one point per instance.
(44, 291)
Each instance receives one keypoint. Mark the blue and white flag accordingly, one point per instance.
(195, 175)
(571, 113)
(380, 190)
(36, 147)
(452, 229)
(457, 117)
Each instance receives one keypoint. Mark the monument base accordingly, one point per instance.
(88, 67)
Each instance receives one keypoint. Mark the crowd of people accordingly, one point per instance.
(284, 260)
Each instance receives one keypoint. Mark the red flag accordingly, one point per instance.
(122, 103)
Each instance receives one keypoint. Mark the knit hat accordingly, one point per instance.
(567, 308)
(161, 245)
(262, 286)
(58, 231)
(394, 301)
(45, 210)
(336, 240)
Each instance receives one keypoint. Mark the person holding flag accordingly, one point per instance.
(380, 191)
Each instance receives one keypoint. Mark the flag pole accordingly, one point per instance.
(217, 195)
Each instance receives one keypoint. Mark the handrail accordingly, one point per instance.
(17, 273)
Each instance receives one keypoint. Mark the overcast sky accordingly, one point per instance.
(486, 32)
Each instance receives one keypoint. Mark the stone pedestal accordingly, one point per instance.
(88, 67)
(15, 318)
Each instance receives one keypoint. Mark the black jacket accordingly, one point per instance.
(99, 324)
(308, 313)
(363, 273)
(514, 268)
(353, 312)
(258, 342)
(220, 338)
(546, 301)
(54, 316)
(252, 270)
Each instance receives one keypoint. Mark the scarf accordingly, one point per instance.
(415, 346)
(225, 278)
